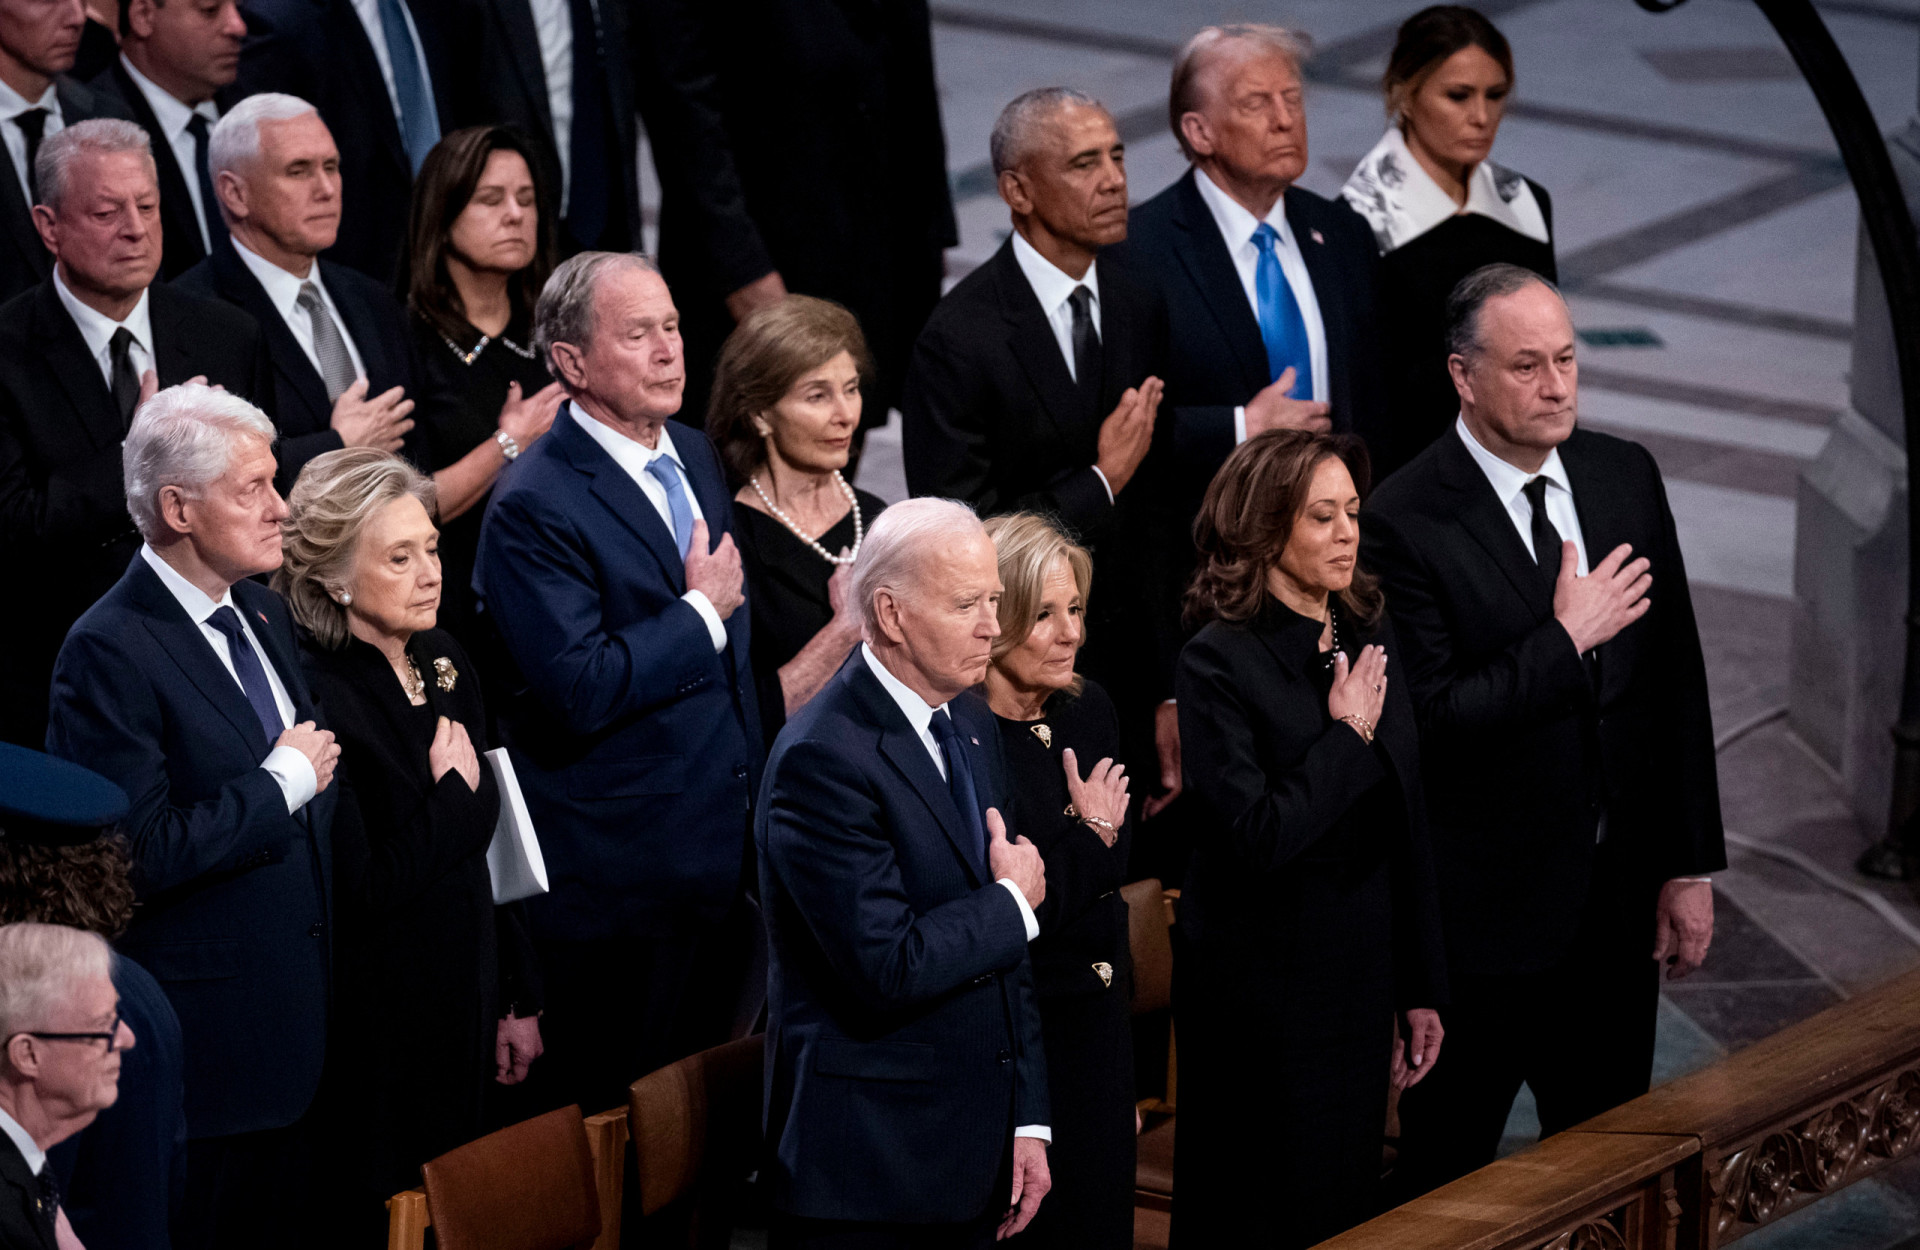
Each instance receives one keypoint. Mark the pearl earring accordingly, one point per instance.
(766, 431)
(346, 597)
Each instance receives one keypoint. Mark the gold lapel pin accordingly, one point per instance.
(1045, 734)
(1104, 970)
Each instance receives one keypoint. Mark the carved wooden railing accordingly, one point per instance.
(1704, 1160)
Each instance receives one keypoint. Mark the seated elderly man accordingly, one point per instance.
(182, 683)
(907, 1089)
(60, 1021)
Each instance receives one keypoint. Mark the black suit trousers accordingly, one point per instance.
(246, 1188)
(1579, 1034)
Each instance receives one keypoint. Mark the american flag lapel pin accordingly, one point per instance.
(261, 615)
(1317, 236)
(975, 741)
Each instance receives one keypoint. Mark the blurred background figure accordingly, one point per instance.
(1439, 210)
(1062, 744)
(63, 862)
(786, 405)
(1309, 914)
(98, 42)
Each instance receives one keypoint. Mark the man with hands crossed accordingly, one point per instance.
(1567, 740)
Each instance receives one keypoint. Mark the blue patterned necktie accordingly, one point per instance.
(252, 674)
(1282, 327)
(663, 470)
(419, 119)
(960, 781)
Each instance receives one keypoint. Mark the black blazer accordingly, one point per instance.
(22, 1224)
(233, 917)
(63, 510)
(180, 233)
(1524, 748)
(378, 326)
(903, 1040)
(319, 51)
(24, 260)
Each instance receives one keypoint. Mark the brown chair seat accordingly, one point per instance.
(1153, 1168)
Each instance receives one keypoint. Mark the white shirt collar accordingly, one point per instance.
(1401, 201)
(1509, 480)
(191, 598)
(97, 328)
(1052, 284)
(1235, 222)
(169, 110)
(282, 288)
(29, 1150)
(12, 103)
(630, 454)
(915, 708)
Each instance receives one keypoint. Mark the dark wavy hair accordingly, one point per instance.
(87, 886)
(440, 194)
(1249, 512)
(1428, 38)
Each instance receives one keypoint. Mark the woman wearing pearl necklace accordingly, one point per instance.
(785, 405)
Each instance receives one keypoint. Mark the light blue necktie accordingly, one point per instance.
(419, 120)
(667, 473)
(1281, 326)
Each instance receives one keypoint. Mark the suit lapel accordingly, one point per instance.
(361, 327)
(18, 217)
(1486, 519)
(251, 600)
(516, 18)
(908, 755)
(1208, 263)
(1030, 338)
(363, 68)
(66, 354)
(1116, 340)
(180, 638)
(709, 488)
(176, 205)
(1602, 526)
(298, 381)
(24, 1196)
(1323, 269)
(173, 359)
(621, 495)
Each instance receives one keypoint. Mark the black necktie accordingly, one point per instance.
(960, 781)
(587, 144)
(1086, 345)
(209, 203)
(126, 380)
(33, 124)
(1546, 539)
(253, 676)
(47, 1205)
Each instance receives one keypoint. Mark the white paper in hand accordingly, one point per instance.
(513, 858)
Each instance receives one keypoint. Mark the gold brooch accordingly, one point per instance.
(1105, 972)
(1045, 734)
(444, 674)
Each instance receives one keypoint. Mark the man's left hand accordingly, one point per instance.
(1031, 1181)
(1683, 926)
(762, 292)
(516, 1044)
(1166, 744)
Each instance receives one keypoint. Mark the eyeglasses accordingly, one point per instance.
(111, 1037)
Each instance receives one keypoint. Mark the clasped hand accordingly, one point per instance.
(1101, 796)
(1360, 690)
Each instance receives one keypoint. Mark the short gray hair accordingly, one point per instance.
(1473, 292)
(564, 311)
(1016, 132)
(327, 509)
(890, 557)
(1183, 96)
(53, 166)
(40, 964)
(235, 138)
(182, 437)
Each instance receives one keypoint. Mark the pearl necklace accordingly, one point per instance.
(467, 358)
(859, 530)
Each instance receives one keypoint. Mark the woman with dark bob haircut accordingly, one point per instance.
(1313, 964)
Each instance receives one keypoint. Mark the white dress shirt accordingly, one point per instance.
(291, 769)
(553, 28)
(368, 11)
(1510, 485)
(1054, 288)
(634, 457)
(12, 104)
(1237, 226)
(29, 1149)
(920, 715)
(173, 116)
(283, 292)
(97, 330)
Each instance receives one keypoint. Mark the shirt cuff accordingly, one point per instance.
(1704, 880)
(294, 772)
(1239, 426)
(1026, 913)
(1104, 483)
(716, 628)
(1041, 1131)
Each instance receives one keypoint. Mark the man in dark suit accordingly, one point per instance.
(1549, 644)
(906, 1092)
(373, 73)
(173, 59)
(633, 724)
(38, 43)
(343, 356)
(75, 354)
(184, 684)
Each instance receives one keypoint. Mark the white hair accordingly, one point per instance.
(183, 437)
(53, 166)
(564, 311)
(235, 138)
(891, 556)
(40, 965)
(1016, 132)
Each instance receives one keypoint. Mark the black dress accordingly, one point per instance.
(425, 964)
(1309, 917)
(787, 593)
(1415, 280)
(1083, 976)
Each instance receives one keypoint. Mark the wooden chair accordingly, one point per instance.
(1149, 920)
(519, 1171)
(696, 1135)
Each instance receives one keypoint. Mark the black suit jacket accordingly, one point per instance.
(22, 1224)
(902, 1029)
(180, 232)
(233, 920)
(63, 511)
(319, 51)
(24, 260)
(375, 321)
(1526, 746)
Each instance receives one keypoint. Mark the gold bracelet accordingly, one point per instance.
(1360, 723)
(1096, 821)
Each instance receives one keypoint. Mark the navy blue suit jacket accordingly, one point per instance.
(903, 1037)
(637, 746)
(233, 890)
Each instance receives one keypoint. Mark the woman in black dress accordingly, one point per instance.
(1310, 922)
(434, 986)
(1440, 209)
(786, 403)
(480, 247)
(1054, 726)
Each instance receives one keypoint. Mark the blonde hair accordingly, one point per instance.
(40, 964)
(1183, 95)
(1027, 544)
(337, 494)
